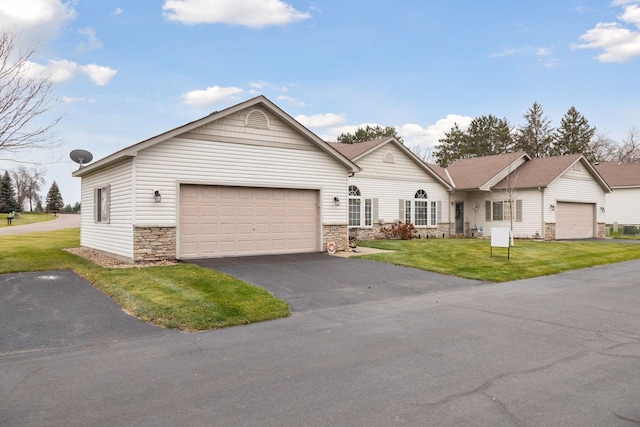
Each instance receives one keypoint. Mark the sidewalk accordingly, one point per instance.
(61, 222)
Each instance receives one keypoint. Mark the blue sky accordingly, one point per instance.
(128, 70)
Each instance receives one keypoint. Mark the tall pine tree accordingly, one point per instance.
(574, 135)
(536, 137)
(54, 199)
(8, 201)
(485, 136)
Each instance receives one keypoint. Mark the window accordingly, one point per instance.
(102, 204)
(368, 213)
(422, 211)
(354, 206)
(358, 216)
(503, 211)
(419, 211)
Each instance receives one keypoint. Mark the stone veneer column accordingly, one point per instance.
(154, 243)
(335, 233)
(549, 231)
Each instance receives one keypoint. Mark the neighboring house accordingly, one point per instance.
(246, 180)
(561, 197)
(623, 203)
(394, 186)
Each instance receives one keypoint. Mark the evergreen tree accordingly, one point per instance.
(39, 208)
(369, 133)
(574, 135)
(485, 136)
(488, 135)
(536, 137)
(451, 146)
(8, 202)
(54, 199)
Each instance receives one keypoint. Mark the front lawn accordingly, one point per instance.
(470, 257)
(181, 296)
(25, 218)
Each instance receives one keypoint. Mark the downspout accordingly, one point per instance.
(543, 234)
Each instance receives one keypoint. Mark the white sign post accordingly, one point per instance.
(500, 239)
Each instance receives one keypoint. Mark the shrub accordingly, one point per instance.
(399, 231)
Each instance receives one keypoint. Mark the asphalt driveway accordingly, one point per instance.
(318, 281)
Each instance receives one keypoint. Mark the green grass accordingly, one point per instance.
(182, 296)
(25, 218)
(470, 258)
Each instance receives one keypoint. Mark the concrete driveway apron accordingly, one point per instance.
(317, 281)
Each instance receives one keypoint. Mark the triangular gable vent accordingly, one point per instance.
(257, 119)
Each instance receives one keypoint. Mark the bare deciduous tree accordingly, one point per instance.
(28, 183)
(629, 151)
(25, 99)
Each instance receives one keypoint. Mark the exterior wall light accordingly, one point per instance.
(602, 209)
(157, 196)
(552, 207)
(336, 201)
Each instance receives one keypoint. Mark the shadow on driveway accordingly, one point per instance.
(318, 281)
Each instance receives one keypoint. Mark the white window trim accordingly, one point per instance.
(515, 212)
(366, 218)
(408, 212)
(102, 205)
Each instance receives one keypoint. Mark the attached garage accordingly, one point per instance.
(218, 221)
(575, 220)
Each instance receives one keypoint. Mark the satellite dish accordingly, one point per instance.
(81, 156)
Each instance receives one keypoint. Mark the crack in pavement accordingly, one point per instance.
(505, 410)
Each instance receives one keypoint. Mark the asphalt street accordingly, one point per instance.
(557, 350)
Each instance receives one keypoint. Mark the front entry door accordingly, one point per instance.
(459, 218)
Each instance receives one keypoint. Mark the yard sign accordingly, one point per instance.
(500, 239)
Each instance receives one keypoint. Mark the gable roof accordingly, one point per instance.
(619, 175)
(476, 172)
(261, 100)
(359, 150)
(542, 171)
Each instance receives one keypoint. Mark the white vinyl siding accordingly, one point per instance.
(221, 154)
(114, 233)
(393, 184)
(623, 206)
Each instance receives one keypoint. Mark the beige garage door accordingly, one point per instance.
(238, 221)
(575, 220)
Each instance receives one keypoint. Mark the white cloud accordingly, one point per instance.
(293, 101)
(506, 52)
(261, 85)
(543, 51)
(72, 100)
(91, 42)
(117, 12)
(98, 74)
(211, 95)
(248, 13)
(321, 120)
(620, 44)
(64, 70)
(35, 21)
(416, 135)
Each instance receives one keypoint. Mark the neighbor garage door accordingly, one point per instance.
(575, 220)
(238, 221)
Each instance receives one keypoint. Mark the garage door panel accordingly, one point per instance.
(575, 220)
(233, 221)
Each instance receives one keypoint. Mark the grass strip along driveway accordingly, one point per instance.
(25, 218)
(181, 296)
(470, 258)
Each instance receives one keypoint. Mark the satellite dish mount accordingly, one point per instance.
(81, 157)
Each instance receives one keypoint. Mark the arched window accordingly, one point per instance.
(420, 211)
(422, 208)
(358, 217)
